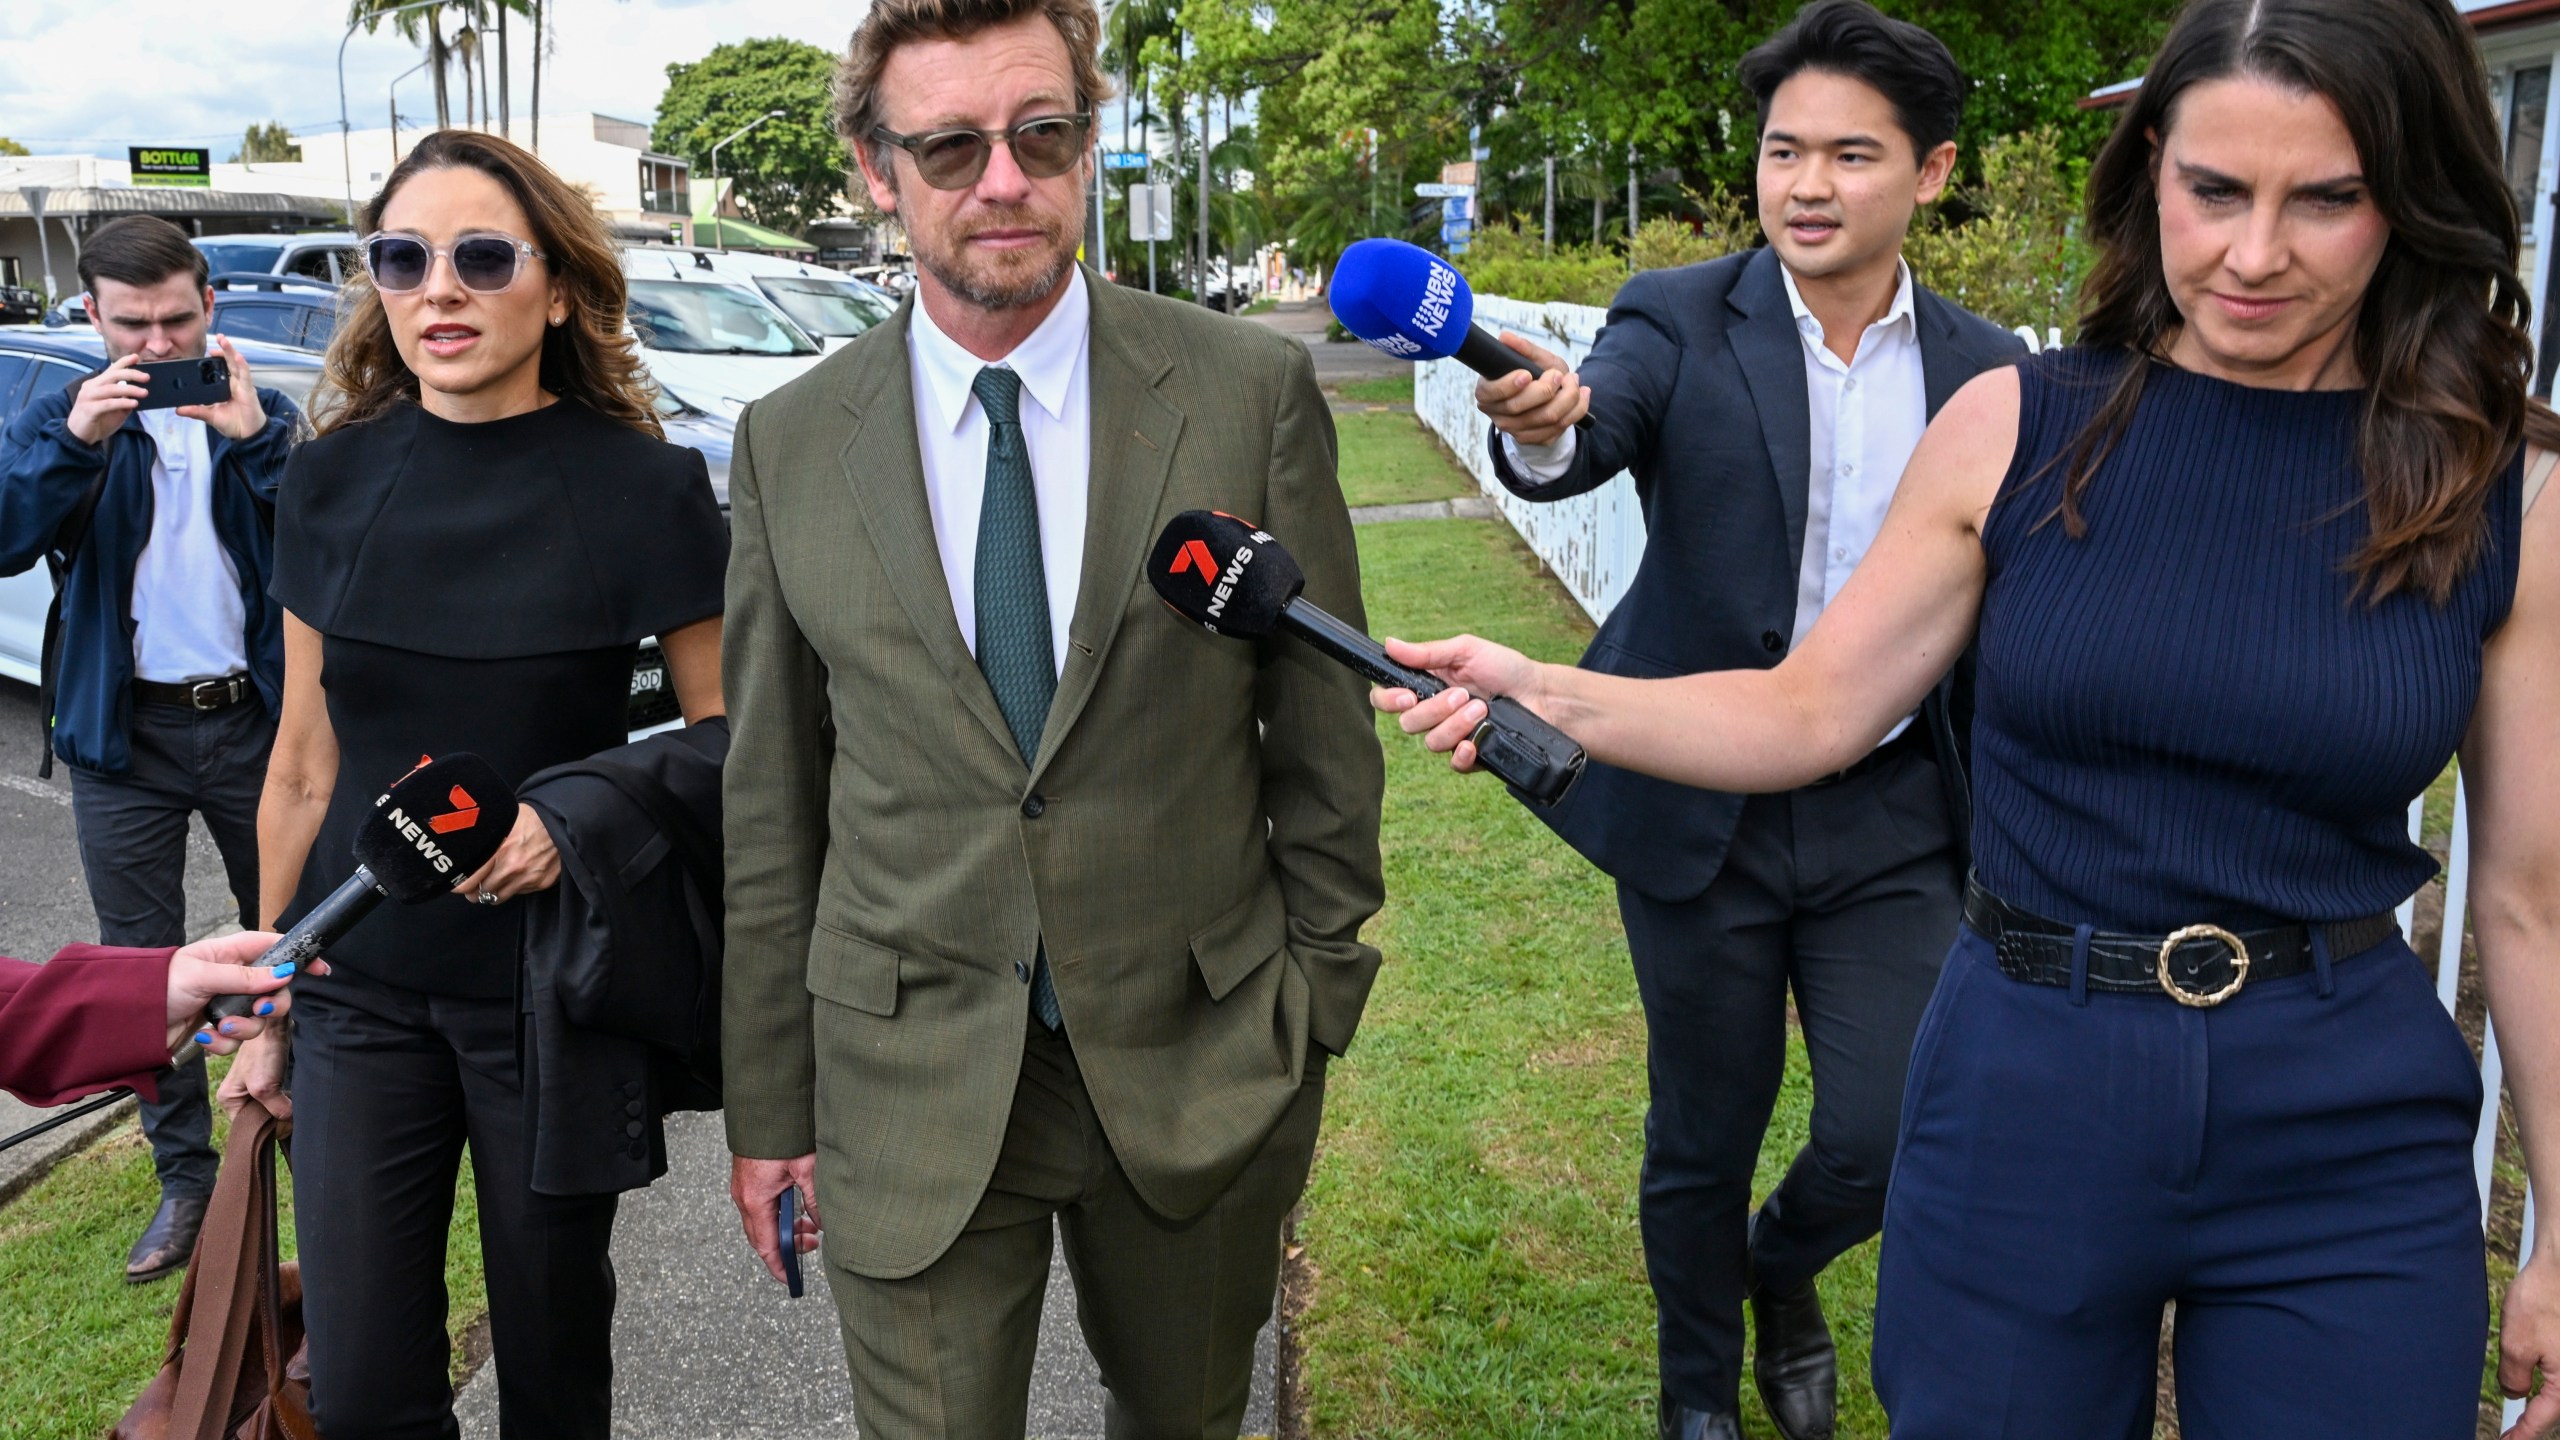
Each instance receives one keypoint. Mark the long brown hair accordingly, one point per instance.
(2442, 336)
(587, 358)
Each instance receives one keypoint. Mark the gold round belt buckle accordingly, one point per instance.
(2239, 965)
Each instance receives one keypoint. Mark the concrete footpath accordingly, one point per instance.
(707, 1347)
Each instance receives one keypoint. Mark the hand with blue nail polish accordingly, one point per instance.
(227, 965)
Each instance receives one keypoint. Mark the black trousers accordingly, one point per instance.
(388, 1086)
(1847, 894)
(133, 852)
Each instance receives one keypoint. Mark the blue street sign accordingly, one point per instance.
(1124, 159)
(1459, 208)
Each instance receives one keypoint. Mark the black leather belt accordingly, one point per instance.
(219, 694)
(2201, 965)
(1910, 738)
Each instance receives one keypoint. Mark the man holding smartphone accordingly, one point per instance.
(163, 675)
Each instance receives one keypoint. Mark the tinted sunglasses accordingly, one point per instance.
(1045, 146)
(485, 261)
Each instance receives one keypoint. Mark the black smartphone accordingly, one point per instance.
(185, 382)
(786, 1217)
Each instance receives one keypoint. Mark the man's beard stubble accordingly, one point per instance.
(1000, 282)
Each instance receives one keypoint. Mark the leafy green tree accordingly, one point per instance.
(789, 172)
(11, 147)
(266, 144)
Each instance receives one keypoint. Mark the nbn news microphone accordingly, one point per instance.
(432, 828)
(1407, 302)
(1234, 579)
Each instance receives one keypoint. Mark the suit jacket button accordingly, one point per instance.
(1772, 641)
(633, 1129)
(1032, 807)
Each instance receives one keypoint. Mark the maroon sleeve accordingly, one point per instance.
(92, 1018)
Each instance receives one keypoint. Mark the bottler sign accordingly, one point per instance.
(191, 169)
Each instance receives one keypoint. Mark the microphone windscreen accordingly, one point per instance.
(1223, 574)
(434, 826)
(1402, 299)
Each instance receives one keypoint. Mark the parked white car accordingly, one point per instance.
(713, 344)
(830, 305)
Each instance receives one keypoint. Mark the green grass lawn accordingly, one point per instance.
(79, 1342)
(1471, 1223)
(1388, 458)
(1388, 390)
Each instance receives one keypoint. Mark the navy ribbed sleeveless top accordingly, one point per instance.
(2190, 715)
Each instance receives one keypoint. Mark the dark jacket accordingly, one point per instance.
(45, 469)
(621, 985)
(1698, 387)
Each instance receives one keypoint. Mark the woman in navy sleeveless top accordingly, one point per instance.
(2247, 571)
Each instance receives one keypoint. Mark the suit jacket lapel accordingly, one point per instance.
(1771, 354)
(1134, 430)
(884, 464)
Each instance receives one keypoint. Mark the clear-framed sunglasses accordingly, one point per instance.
(1045, 146)
(484, 261)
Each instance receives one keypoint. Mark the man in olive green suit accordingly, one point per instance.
(1044, 905)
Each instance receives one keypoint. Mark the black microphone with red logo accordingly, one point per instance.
(434, 826)
(1234, 579)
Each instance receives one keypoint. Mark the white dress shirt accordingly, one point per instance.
(1867, 414)
(189, 620)
(1057, 427)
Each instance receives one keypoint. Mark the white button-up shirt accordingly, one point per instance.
(1057, 427)
(190, 621)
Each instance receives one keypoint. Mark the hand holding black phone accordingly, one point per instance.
(171, 383)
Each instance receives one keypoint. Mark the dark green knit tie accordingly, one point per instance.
(1013, 601)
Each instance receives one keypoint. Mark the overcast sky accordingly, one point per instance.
(86, 77)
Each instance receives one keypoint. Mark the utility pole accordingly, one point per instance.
(1551, 205)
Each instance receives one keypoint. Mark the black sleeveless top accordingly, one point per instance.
(2190, 715)
(480, 588)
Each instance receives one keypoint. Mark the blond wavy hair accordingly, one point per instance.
(589, 357)
(892, 23)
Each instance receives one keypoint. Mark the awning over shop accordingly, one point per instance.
(83, 201)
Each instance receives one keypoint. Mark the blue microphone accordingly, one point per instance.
(1411, 304)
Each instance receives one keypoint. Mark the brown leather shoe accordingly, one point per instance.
(168, 1242)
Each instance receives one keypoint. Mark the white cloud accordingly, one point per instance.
(81, 78)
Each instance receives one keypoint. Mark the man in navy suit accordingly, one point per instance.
(1766, 403)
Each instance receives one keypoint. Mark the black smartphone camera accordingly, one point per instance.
(172, 383)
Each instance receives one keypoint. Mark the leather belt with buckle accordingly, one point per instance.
(1910, 738)
(219, 694)
(2199, 965)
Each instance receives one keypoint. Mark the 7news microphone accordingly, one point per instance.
(437, 824)
(1234, 579)
(1407, 302)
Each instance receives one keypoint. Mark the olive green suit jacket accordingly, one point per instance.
(1196, 842)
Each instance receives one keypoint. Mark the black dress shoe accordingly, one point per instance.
(168, 1242)
(1794, 1364)
(1679, 1422)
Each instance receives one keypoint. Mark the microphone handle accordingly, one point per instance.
(328, 922)
(1486, 355)
(1535, 758)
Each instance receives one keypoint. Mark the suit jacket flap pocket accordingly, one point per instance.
(853, 972)
(1237, 943)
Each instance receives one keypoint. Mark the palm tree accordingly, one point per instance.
(425, 26)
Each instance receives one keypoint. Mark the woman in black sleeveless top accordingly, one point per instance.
(2248, 569)
(467, 557)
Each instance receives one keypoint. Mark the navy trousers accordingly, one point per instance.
(2292, 1169)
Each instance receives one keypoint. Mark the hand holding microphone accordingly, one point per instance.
(1235, 580)
(434, 826)
(1407, 302)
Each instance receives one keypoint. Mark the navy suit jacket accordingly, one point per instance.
(1698, 387)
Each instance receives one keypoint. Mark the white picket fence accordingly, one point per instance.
(1593, 543)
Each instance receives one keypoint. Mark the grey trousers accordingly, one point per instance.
(1170, 1308)
(133, 849)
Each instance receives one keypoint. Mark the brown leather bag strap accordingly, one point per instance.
(225, 1274)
